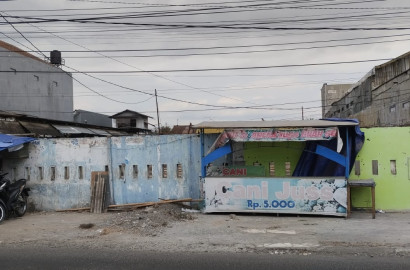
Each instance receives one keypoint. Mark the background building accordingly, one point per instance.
(32, 86)
(131, 121)
(92, 118)
(380, 99)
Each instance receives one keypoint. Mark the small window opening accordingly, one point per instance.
(149, 171)
(272, 168)
(393, 108)
(55, 83)
(37, 78)
(121, 168)
(179, 170)
(80, 172)
(66, 172)
(287, 168)
(135, 171)
(375, 167)
(164, 171)
(52, 173)
(393, 167)
(357, 167)
(41, 173)
(106, 168)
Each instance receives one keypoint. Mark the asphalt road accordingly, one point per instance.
(66, 258)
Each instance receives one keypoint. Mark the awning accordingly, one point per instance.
(13, 143)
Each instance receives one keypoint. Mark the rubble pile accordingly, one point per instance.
(148, 221)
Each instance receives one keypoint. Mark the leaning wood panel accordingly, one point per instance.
(99, 181)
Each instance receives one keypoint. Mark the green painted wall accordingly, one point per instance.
(384, 144)
(277, 152)
(392, 191)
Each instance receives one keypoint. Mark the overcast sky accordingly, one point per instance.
(210, 60)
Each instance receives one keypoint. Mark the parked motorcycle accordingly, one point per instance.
(13, 197)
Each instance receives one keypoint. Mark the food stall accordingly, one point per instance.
(296, 167)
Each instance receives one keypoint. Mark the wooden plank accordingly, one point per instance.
(98, 191)
(136, 205)
(74, 209)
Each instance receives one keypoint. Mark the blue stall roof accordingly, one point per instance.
(10, 142)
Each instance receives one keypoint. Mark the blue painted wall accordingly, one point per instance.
(95, 154)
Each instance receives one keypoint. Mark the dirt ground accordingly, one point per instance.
(171, 227)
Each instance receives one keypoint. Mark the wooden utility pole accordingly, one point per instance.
(156, 101)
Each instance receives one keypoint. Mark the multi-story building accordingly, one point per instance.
(380, 99)
(33, 86)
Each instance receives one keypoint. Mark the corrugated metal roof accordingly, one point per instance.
(73, 130)
(117, 133)
(11, 127)
(273, 124)
(40, 129)
(99, 131)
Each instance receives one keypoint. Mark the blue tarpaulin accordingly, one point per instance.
(311, 164)
(11, 142)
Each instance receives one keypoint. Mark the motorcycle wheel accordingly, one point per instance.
(21, 206)
(2, 213)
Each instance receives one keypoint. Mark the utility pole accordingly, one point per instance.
(303, 118)
(156, 101)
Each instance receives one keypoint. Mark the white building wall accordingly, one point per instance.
(31, 86)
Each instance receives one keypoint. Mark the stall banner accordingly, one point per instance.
(235, 171)
(324, 196)
(276, 134)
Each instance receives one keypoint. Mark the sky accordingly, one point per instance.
(209, 60)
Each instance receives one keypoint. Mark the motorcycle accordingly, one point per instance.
(13, 197)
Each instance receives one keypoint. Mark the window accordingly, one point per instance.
(393, 167)
(149, 171)
(55, 84)
(28, 173)
(106, 168)
(287, 168)
(66, 172)
(41, 173)
(179, 170)
(133, 122)
(52, 173)
(121, 169)
(392, 108)
(357, 167)
(272, 168)
(37, 78)
(406, 105)
(135, 171)
(164, 171)
(80, 172)
(375, 167)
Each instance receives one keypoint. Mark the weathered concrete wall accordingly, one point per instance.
(45, 91)
(380, 99)
(98, 154)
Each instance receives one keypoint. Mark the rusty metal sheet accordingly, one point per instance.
(41, 129)
(11, 127)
